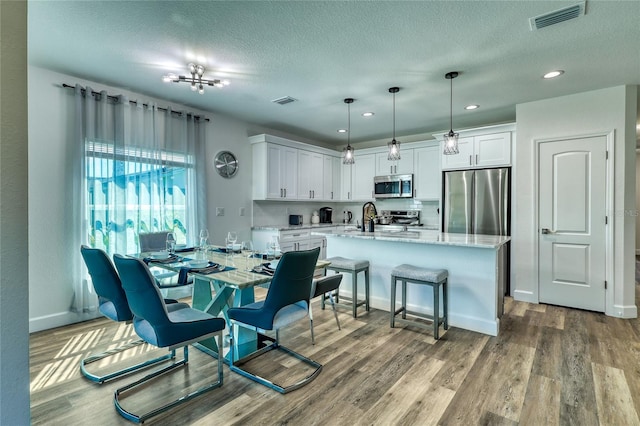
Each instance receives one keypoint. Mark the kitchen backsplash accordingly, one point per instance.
(267, 213)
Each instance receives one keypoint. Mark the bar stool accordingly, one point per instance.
(353, 267)
(424, 276)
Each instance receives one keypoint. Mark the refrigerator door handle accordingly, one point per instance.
(547, 231)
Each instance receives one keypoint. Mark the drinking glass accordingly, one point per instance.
(204, 236)
(232, 237)
(171, 243)
(247, 251)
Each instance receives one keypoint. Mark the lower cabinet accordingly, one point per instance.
(290, 240)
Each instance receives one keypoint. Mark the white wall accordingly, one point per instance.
(50, 130)
(14, 339)
(600, 111)
(637, 210)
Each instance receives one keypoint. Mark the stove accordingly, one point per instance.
(399, 217)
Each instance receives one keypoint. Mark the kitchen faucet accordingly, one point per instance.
(368, 211)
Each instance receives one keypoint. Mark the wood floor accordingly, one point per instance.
(549, 366)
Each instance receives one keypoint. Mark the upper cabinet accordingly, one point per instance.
(427, 176)
(484, 147)
(362, 174)
(310, 175)
(280, 177)
(283, 171)
(330, 171)
(399, 167)
(346, 193)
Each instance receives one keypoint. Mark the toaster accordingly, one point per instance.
(295, 219)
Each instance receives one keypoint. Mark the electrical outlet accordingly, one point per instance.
(241, 211)
(219, 211)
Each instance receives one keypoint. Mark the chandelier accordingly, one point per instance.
(196, 80)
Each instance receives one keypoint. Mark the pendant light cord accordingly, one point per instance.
(394, 116)
(349, 124)
(451, 107)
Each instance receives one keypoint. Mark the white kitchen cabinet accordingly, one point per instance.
(427, 176)
(399, 167)
(321, 242)
(310, 175)
(290, 240)
(487, 150)
(364, 170)
(329, 177)
(346, 172)
(275, 172)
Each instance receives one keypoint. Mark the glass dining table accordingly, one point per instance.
(216, 291)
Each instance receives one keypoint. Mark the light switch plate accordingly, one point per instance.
(219, 211)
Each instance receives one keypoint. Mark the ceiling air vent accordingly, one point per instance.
(284, 100)
(555, 17)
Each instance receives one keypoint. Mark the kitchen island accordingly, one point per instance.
(476, 265)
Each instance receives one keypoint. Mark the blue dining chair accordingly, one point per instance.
(287, 301)
(113, 305)
(158, 326)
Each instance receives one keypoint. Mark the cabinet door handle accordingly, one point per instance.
(313, 193)
(285, 193)
(470, 160)
(476, 158)
(281, 193)
(332, 195)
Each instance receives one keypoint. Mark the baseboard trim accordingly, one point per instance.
(59, 319)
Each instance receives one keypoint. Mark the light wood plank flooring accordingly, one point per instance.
(549, 366)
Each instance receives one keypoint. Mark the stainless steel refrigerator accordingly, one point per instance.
(477, 202)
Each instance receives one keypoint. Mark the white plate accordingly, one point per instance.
(198, 263)
(160, 255)
(274, 264)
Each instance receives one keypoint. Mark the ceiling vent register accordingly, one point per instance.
(555, 17)
(284, 100)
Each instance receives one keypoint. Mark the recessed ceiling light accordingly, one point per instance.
(470, 107)
(553, 74)
(368, 114)
(342, 130)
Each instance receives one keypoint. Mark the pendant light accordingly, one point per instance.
(451, 138)
(347, 153)
(394, 145)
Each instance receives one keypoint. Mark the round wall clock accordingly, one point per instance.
(226, 164)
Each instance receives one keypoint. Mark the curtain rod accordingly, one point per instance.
(115, 98)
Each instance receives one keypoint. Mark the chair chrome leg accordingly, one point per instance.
(124, 371)
(235, 366)
(139, 418)
(335, 313)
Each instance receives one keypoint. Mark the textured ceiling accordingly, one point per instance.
(321, 52)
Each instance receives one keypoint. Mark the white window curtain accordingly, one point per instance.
(137, 168)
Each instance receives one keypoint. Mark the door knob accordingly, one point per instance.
(547, 231)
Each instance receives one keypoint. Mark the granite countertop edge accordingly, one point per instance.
(325, 225)
(431, 237)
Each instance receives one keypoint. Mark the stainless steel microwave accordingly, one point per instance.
(393, 186)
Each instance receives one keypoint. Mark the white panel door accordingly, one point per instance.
(572, 233)
(364, 169)
(290, 172)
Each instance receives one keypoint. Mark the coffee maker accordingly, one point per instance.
(325, 214)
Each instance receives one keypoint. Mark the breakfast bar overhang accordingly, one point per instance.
(477, 266)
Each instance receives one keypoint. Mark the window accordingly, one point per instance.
(133, 190)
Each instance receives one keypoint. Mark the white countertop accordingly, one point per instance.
(421, 237)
